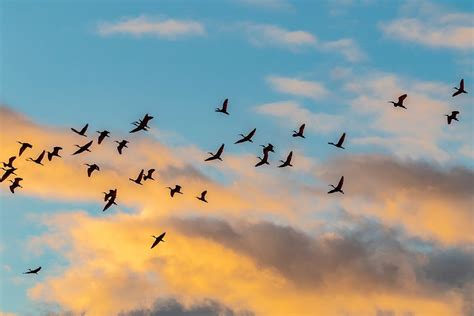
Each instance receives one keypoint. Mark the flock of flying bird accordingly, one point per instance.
(142, 125)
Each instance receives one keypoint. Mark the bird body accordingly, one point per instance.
(158, 240)
(263, 161)
(176, 189)
(121, 145)
(15, 184)
(83, 148)
(54, 153)
(340, 142)
(82, 132)
(452, 116)
(110, 199)
(246, 138)
(399, 103)
(202, 197)
(460, 89)
(217, 155)
(23, 147)
(102, 136)
(287, 162)
(337, 188)
(224, 107)
(139, 178)
(300, 131)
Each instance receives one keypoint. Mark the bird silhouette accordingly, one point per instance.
(176, 189)
(460, 89)
(139, 178)
(399, 103)
(452, 116)
(142, 124)
(287, 162)
(54, 153)
(10, 162)
(263, 161)
(15, 184)
(102, 135)
(7, 173)
(337, 188)
(224, 107)
(121, 145)
(149, 175)
(158, 240)
(83, 148)
(110, 199)
(92, 168)
(202, 197)
(34, 271)
(38, 159)
(268, 148)
(82, 132)
(217, 155)
(300, 131)
(340, 142)
(246, 138)
(23, 147)
(110, 194)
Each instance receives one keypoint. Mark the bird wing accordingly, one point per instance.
(109, 204)
(461, 84)
(301, 130)
(84, 129)
(220, 150)
(455, 112)
(341, 182)
(90, 170)
(203, 194)
(40, 157)
(11, 160)
(138, 128)
(341, 140)
(224, 105)
(250, 135)
(290, 155)
(12, 188)
(449, 119)
(140, 175)
(402, 97)
(155, 243)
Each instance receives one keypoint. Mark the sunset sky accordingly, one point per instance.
(271, 241)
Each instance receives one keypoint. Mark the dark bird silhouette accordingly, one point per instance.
(263, 161)
(176, 189)
(139, 178)
(38, 159)
(452, 116)
(224, 107)
(110, 199)
(10, 162)
(15, 184)
(337, 188)
(246, 138)
(121, 145)
(268, 148)
(23, 147)
(217, 155)
(399, 103)
(142, 124)
(202, 197)
(7, 173)
(300, 131)
(83, 148)
(158, 240)
(287, 162)
(110, 194)
(54, 153)
(340, 142)
(82, 132)
(460, 89)
(92, 168)
(35, 271)
(149, 175)
(102, 136)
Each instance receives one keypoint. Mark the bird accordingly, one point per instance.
(263, 161)
(110, 199)
(287, 162)
(452, 116)
(82, 132)
(38, 159)
(54, 153)
(158, 240)
(142, 124)
(246, 138)
(176, 189)
(92, 168)
(202, 197)
(10, 162)
(149, 175)
(102, 135)
(108, 195)
(7, 173)
(15, 184)
(399, 103)
(121, 145)
(460, 89)
(300, 131)
(34, 271)
(83, 148)
(23, 147)
(337, 188)
(340, 141)
(217, 155)
(267, 148)
(139, 178)
(224, 107)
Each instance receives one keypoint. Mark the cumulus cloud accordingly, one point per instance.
(298, 87)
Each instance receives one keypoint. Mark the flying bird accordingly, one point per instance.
(92, 168)
(268, 148)
(158, 239)
(110, 194)
(176, 189)
(460, 89)
(142, 124)
(337, 188)
(15, 184)
(340, 142)
(38, 159)
(300, 131)
(399, 103)
(102, 136)
(7, 173)
(149, 175)
(202, 197)
(10, 162)
(224, 107)
(82, 132)
(35, 271)
(452, 116)
(54, 153)
(121, 145)
(246, 138)
(217, 155)
(139, 178)
(110, 199)
(83, 148)
(263, 161)
(23, 147)
(287, 162)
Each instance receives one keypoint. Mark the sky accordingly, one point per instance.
(271, 241)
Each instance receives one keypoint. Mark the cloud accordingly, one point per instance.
(268, 4)
(159, 27)
(347, 47)
(298, 87)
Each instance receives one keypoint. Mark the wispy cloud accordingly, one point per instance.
(267, 4)
(310, 89)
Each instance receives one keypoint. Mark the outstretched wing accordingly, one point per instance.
(341, 140)
(290, 155)
(402, 97)
(220, 150)
(461, 84)
(224, 105)
(301, 130)
(84, 129)
(341, 182)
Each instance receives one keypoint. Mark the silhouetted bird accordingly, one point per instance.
(287, 162)
(35, 271)
(102, 136)
(83, 148)
(460, 89)
(217, 155)
(263, 161)
(23, 147)
(400, 101)
(142, 124)
(300, 131)
(158, 239)
(452, 116)
(176, 189)
(110, 194)
(121, 145)
(38, 159)
(110, 199)
(15, 184)
(149, 175)
(10, 162)
(340, 142)
(91, 168)
(337, 188)
(224, 107)
(202, 197)
(54, 153)
(139, 178)
(82, 132)
(7, 173)
(268, 148)
(246, 138)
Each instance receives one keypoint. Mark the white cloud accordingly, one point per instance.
(347, 47)
(293, 86)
